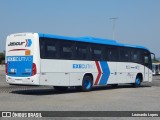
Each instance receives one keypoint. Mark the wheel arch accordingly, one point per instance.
(89, 74)
(140, 75)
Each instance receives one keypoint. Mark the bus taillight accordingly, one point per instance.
(34, 69)
(6, 68)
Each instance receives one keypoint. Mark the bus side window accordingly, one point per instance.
(136, 56)
(111, 53)
(50, 51)
(42, 47)
(48, 48)
(66, 51)
(81, 51)
(124, 54)
(97, 52)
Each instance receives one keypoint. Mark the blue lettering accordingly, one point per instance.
(74, 65)
(80, 65)
(83, 66)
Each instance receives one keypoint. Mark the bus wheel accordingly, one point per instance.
(137, 82)
(60, 88)
(87, 83)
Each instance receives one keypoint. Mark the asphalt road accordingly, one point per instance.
(104, 98)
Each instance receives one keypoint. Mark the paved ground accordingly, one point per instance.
(123, 98)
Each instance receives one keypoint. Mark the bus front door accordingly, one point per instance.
(147, 66)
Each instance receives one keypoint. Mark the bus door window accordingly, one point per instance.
(147, 60)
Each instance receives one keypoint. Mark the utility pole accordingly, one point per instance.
(113, 26)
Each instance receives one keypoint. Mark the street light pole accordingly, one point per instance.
(113, 27)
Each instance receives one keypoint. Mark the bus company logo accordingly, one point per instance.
(16, 43)
(27, 43)
(19, 58)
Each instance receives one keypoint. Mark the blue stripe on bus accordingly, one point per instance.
(105, 73)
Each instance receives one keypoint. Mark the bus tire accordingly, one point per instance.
(60, 88)
(138, 81)
(87, 83)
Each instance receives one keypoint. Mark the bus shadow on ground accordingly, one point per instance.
(50, 91)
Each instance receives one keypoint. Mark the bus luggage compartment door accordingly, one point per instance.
(54, 79)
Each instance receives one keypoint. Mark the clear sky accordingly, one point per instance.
(138, 20)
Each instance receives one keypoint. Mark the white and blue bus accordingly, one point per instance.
(82, 62)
